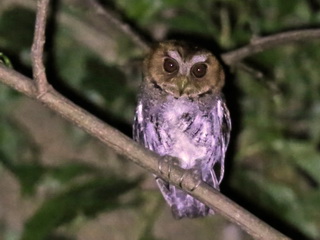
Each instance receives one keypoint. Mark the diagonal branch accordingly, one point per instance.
(264, 43)
(141, 156)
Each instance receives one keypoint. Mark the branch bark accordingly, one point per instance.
(263, 43)
(121, 143)
(39, 72)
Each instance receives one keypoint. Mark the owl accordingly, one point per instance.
(181, 114)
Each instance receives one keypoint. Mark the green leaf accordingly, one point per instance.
(306, 157)
(108, 81)
(5, 60)
(28, 175)
(16, 28)
(66, 172)
(88, 199)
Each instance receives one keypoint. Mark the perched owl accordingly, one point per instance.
(181, 114)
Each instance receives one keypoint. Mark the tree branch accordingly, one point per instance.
(263, 43)
(121, 143)
(39, 74)
(141, 156)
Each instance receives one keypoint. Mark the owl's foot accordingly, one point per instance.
(195, 174)
(165, 163)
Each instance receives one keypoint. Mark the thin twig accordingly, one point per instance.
(271, 85)
(124, 27)
(39, 74)
(261, 44)
(253, 72)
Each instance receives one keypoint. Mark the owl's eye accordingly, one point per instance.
(199, 70)
(170, 65)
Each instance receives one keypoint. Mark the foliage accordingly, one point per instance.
(100, 194)
(274, 162)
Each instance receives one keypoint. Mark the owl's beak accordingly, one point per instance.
(182, 82)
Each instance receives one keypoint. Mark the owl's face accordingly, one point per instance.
(183, 70)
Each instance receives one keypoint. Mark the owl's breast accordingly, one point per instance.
(184, 130)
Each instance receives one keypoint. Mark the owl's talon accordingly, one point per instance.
(195, 173)
(160, 166)
(167, 161)
(182, 177)
(162, 163)
(196, 185)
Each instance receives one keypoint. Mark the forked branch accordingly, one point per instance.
(39, 72)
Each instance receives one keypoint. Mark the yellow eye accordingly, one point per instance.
(199, 70)
(170, 65)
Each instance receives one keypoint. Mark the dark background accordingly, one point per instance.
(58, 183)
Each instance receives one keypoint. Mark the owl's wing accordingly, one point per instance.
(138, 127)
(225, 125)
(139, 136)
(222, 134)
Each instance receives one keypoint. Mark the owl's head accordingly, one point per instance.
(181, 69)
